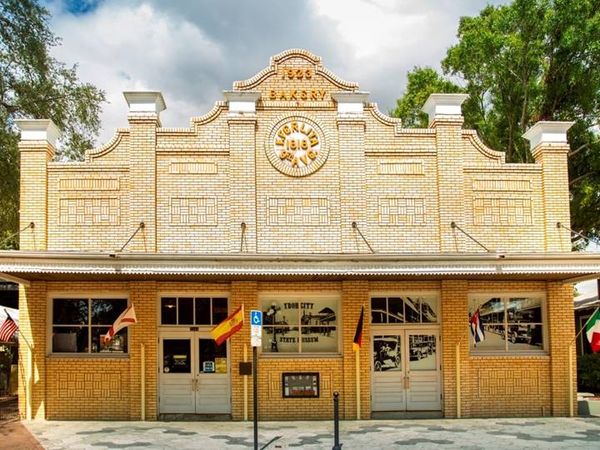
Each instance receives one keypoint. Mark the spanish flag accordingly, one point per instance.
(357, 343)
(220, 333)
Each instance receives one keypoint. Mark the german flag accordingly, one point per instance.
(357, 343)
(220, 333)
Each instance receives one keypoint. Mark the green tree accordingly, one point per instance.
(33, 84)
(421, 82)
(527, 61)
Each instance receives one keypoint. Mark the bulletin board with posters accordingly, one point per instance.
(300, 385)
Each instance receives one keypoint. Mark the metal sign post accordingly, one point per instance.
(255, 341)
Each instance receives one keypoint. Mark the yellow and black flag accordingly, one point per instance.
(357, 343)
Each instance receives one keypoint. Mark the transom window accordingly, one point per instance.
(79, 323)
(404, 308)
(511, 323)
(300, 325)
(192, 310)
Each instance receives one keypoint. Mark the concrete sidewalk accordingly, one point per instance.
(369, 434)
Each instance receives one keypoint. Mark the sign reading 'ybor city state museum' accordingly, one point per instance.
(296, 146)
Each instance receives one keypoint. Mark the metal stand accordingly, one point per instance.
(336, 421)
(255, 394)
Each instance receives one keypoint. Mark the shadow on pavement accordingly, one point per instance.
(13, 435)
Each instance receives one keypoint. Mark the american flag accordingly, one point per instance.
(7, 329)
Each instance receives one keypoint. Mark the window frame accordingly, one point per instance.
(193, 295)
(505, 297)
(89, 296)
(305, 296)
(402, 294)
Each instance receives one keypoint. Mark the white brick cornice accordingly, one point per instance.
(441, 106)
(38, 130)
(241, 101)
(350, 103)
(144, 102)
(547, 132)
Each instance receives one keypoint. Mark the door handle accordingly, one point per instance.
(406, 382)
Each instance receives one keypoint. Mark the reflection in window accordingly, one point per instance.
(404, 309)
(177, 356)
(192, 311)
(212, 357)
(79, 324)
(300, 325)
(511, 323)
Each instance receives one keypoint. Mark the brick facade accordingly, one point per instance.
(213, 189)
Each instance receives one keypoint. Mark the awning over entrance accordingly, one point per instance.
(54, 266)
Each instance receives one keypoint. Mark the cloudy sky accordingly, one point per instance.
(192, 50)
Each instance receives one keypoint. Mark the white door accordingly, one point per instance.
(423, 392)
(194, 374)
(405, 368)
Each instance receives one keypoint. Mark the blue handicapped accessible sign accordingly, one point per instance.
(256, 317)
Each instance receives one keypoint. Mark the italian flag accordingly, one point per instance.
(592, 330)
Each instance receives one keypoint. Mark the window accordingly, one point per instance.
(79, 323)
(192, 310)
(399, 309)
(511, 323)
(300, 325)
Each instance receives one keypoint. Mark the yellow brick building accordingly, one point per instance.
(297, 197)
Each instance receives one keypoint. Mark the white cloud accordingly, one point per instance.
(191, 51)
(373, 28)
(133, 47)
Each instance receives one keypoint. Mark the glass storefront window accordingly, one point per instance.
(79, 324)
(414, 308)
(510, 323)
(193, 310)
(303, 325)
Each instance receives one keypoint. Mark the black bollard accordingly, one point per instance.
(336, 421)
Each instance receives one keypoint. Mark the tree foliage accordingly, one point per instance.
(520, 63)
(33, 84)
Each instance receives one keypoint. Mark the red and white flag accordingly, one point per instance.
(7, 329)
(126, 318)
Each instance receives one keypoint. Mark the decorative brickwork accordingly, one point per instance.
(502, 211)
(89, 211)
(401, 211)
(194, 211)
(400, 168)
(298, 211)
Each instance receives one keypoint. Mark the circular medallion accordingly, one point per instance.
(296, 147)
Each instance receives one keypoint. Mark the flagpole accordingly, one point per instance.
(584, 325)
(458, 387)
(143, 380)
(28, 374)
(357, 368)
(245, 385)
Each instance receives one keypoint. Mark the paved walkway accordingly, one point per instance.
(565, 433)
(13, 435)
